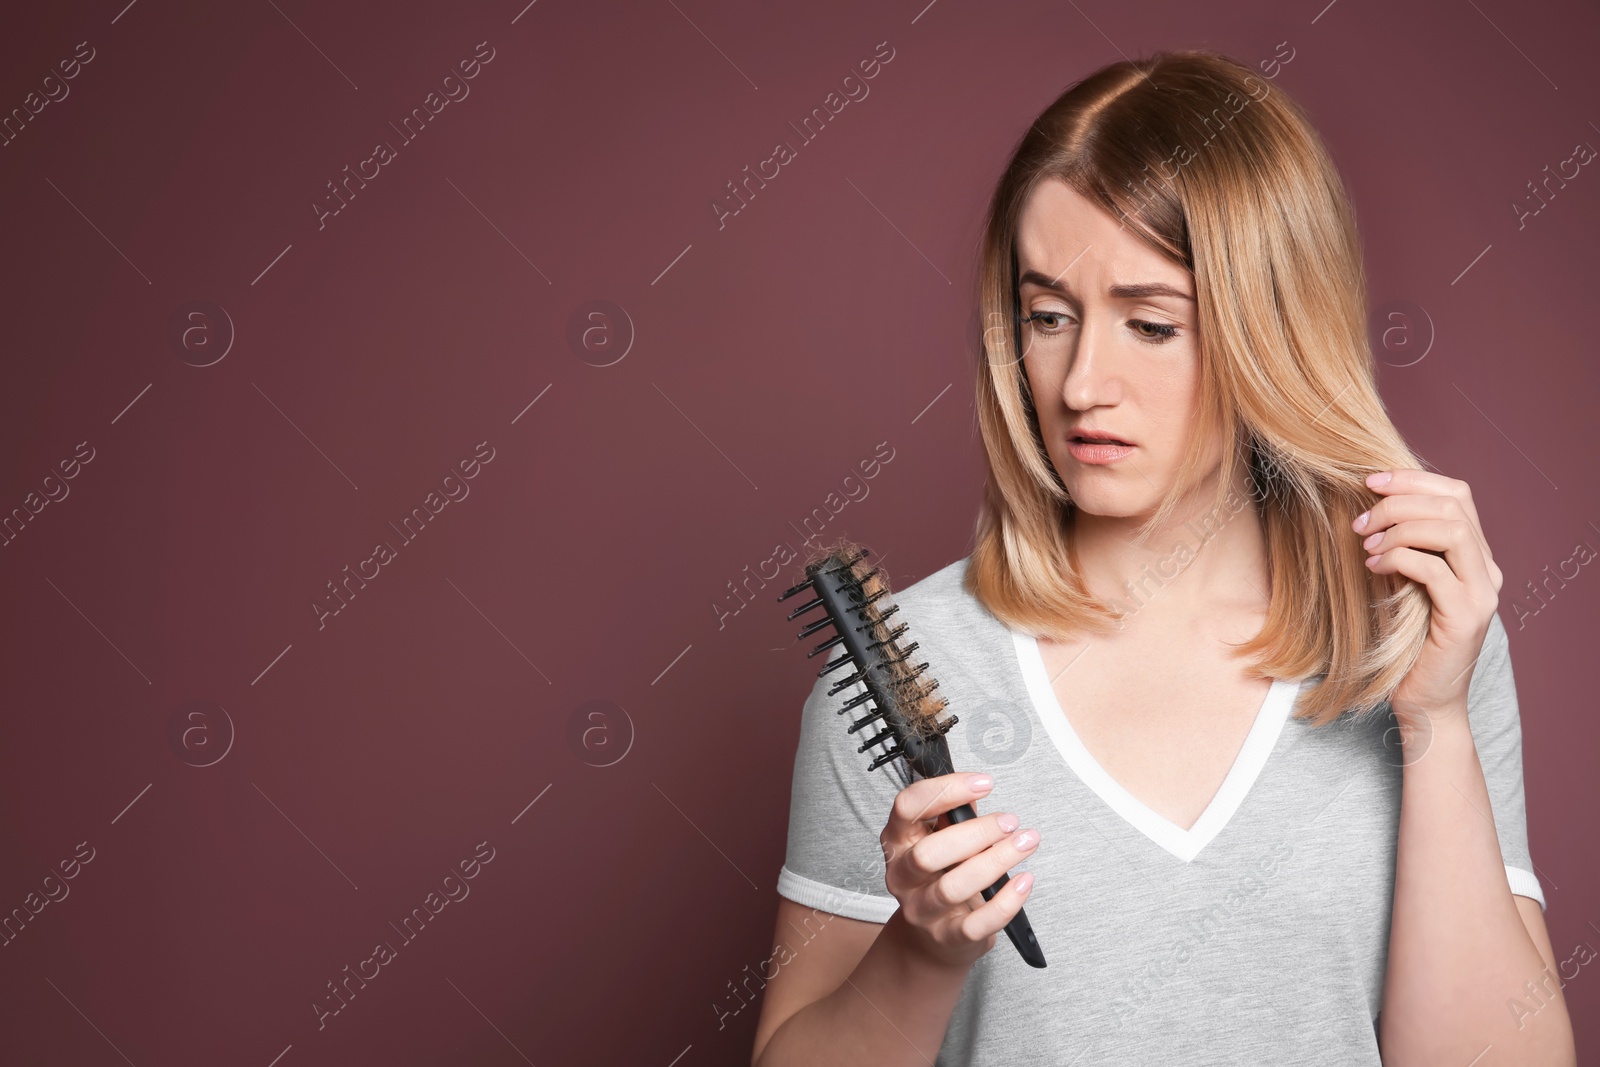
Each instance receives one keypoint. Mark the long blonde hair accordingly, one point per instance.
(1225, 175)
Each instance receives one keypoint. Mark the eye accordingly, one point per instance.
(1047, 330)
(1163, 333)
(1158, 332)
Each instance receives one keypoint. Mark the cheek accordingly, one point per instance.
(1047, 407)
(1045, 388)
(1170, 398)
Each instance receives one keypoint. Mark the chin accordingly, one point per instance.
(1112, 501)
(1108, 505)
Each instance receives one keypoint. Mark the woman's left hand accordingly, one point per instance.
(1426, 528)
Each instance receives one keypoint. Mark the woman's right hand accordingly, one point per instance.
(937, 870)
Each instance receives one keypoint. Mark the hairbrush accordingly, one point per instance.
(859, 606)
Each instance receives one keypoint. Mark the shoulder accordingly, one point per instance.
(1493, 666)
(944, 584)
(942, 594)
(1492, 690)
(939, 608)
(1497, 635)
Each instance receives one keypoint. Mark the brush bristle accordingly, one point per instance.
(913, 697)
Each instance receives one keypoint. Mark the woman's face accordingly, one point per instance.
(1110, 349)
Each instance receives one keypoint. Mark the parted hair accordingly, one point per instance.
(1221, 172)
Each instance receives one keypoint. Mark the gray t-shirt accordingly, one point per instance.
(1256, 936)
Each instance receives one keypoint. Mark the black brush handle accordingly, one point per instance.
(1019, 929)
(930, 757)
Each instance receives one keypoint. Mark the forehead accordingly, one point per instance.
(1058, 226)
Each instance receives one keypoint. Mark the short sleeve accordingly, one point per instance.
(837, 808)
(1496, 725)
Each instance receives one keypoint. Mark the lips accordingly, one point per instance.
(1098, 439)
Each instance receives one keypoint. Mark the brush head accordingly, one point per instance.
(899, 696)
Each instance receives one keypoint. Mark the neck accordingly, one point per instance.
(1202, 559)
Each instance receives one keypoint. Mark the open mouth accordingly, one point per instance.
(1081, 439)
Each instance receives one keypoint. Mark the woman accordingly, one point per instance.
(1237, 709)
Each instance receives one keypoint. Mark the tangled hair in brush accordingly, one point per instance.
(911, 695)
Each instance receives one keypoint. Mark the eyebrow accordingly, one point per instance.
(1118, 292)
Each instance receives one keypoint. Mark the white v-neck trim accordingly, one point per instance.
(1184, 844)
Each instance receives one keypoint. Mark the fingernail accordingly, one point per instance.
(1008, 822)
(1373, 541)
(1379, 479)
(1025, 840)
(1361, 521)
(1023, 882)
(980, 783)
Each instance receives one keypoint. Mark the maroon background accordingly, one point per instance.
(833, 313)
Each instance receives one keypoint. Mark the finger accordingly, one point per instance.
(1448, 595)
(995, 914)
(1452, 537)
(924, 800)
(1413, 507)
(950, 845)
(984, 869)
(1392, 512)
(1411, 482)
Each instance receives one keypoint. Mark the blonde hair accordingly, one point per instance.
(1259, 216)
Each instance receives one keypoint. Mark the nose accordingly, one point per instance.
(1091, 379)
